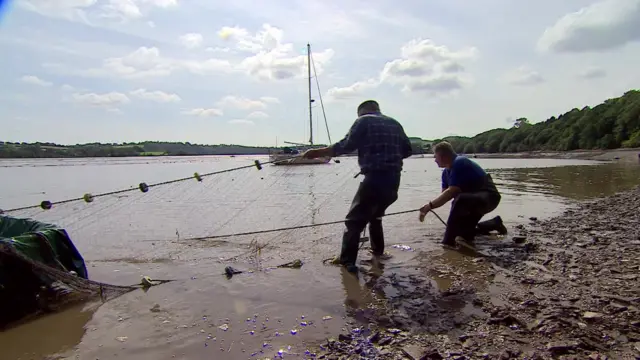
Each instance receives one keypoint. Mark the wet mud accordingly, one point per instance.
(562, 288)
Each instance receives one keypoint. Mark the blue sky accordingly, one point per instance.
(78, 71)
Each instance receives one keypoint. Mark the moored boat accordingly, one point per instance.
(292, 155)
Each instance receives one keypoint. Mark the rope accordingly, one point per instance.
(439, 218)
(145, 187)
(313, 63)
(256, 232)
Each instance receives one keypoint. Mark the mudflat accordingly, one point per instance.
(562, 288)
(630, 155)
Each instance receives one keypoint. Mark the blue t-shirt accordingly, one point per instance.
(465, 174)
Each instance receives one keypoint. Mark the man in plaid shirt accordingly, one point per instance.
(382, 145)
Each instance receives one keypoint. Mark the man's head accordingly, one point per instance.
(368, 107)
(444, 154)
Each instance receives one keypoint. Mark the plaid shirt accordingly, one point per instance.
(380, 141)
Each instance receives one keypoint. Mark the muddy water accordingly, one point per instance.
(129, 235)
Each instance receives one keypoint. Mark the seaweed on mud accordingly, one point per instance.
(256, 251)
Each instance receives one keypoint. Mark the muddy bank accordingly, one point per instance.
(564, 288)
(622, 155)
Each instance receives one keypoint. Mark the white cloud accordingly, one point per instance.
(426, 66)
(267, 59)
(218, 49)
(191, 40)
(34, 80)
(148, 62)
(242, 103)
(353, 90)
(423, 66)
(270, 99)
(272, 59)
(134, 47)
(122, 9)
(157, 96)
(241, 122)
(601, 26)
(202, 112)
(95, 11)
(523, 76)
(144, 62)
(67, 9)
(107, 100)
(258, 115)
(160, 3)
(592, 73)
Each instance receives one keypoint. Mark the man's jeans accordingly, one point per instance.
(375, 194)
(466, 212)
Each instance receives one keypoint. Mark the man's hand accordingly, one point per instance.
(424, 211)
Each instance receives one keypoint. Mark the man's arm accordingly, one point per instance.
(407, 149)
(348, 144)
(450, 185)
(445, 180)
(352, 141)
(450, 189)
(445, 196)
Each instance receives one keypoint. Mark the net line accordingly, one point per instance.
(116, 202)
(144, 187)
(116, 206)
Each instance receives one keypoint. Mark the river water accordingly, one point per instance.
(252, 315)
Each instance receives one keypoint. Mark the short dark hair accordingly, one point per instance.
(444, 148)
(369, 106)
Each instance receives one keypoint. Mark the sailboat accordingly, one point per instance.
(291, 155)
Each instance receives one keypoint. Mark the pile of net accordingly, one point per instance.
(41, 271)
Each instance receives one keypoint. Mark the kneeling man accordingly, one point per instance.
(473, 192)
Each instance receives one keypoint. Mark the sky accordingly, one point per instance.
(211, 71)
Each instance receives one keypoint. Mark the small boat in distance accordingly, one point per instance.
(291, 155)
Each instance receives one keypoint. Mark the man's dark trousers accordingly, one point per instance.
(466, 212)
(375, 194)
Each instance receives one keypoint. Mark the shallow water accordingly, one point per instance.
(132, 234)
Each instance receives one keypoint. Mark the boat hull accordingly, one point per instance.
(286, 159)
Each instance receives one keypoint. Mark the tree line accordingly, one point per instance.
(147, 148)
(613, 124)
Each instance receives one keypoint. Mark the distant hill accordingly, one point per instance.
(613, 124)
(147, 148)
(420, 146)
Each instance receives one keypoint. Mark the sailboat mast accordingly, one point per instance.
(310, 99)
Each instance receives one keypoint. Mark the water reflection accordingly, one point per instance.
(55, 333)
(573, 182)
(359, 298)
(354, 296)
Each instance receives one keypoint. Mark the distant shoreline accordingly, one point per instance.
(623, 154)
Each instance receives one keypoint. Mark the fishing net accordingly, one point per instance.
(248, 216)
(28, 287)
